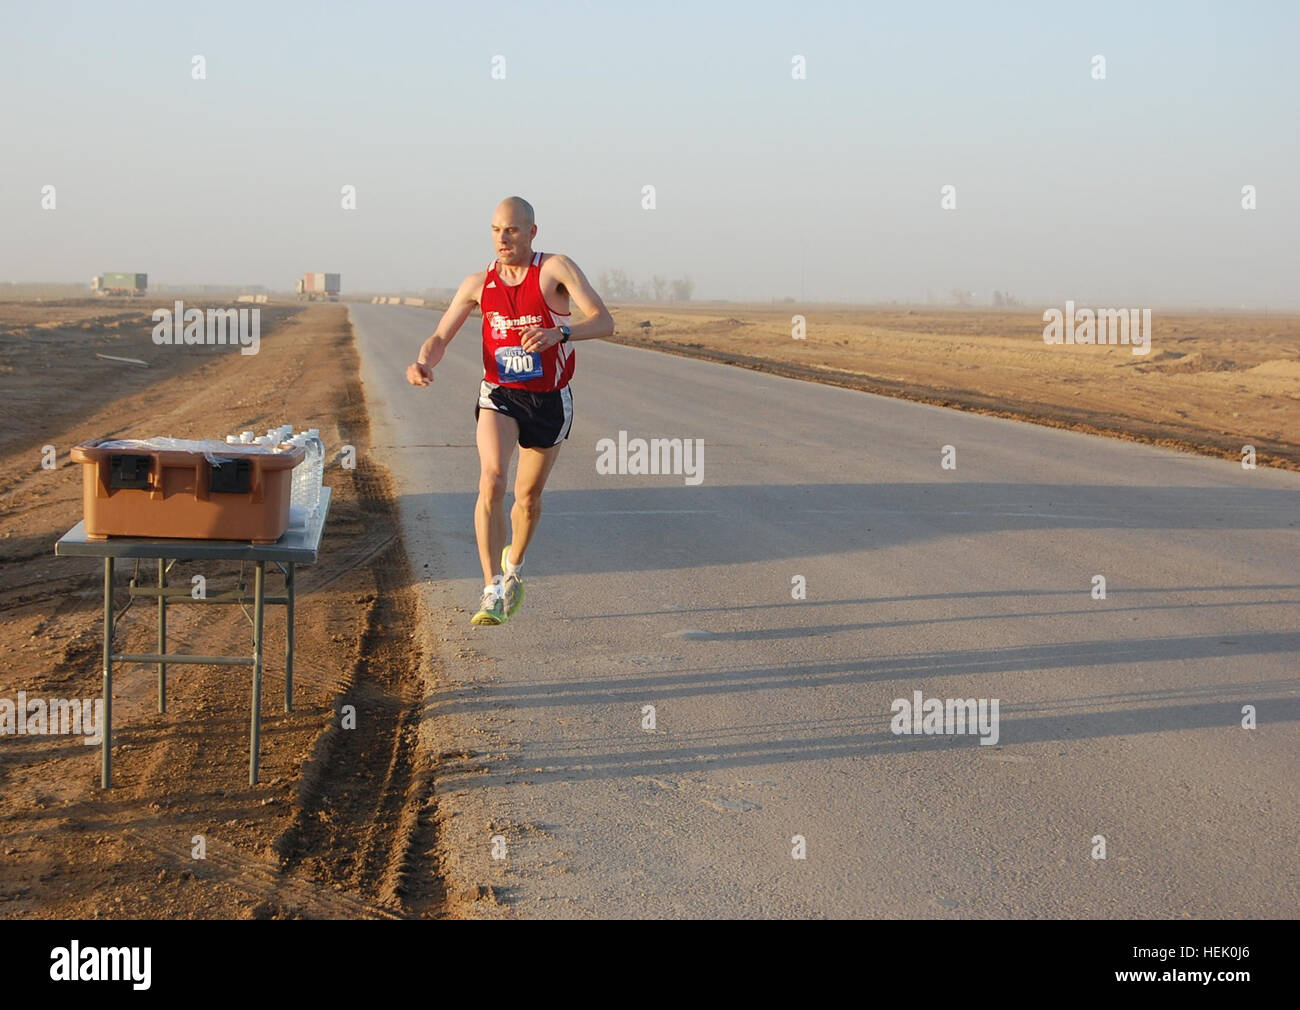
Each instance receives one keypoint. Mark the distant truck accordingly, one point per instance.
(319, 287)
(133, 285)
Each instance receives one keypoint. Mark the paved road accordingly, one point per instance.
(1119, 717)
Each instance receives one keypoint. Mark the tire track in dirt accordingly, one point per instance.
(278, 895)
(364, 817)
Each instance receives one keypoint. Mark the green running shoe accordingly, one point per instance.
(514, 587)
(491, 610)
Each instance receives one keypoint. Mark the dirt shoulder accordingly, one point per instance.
(344, 822)
(1209, 384)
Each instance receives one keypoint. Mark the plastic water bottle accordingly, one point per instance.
(304, 485)
(315, 470)
(297, 500)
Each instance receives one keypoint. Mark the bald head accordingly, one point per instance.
(519, 209)
(513, 229)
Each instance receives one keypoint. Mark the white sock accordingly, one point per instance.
(512, 569)
(496, 589)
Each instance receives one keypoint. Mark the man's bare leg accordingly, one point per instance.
(530, 480)
(497, 436)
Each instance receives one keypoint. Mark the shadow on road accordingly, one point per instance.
(625, 528)
(1139, 711)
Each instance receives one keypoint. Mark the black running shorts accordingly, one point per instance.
(544, 418)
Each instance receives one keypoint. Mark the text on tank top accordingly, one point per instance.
(508, 310)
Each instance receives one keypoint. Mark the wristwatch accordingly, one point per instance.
(566, 333)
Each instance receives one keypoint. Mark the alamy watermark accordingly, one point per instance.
(55, 717)
(182, 326)
(1104, 326)
(948, 716)
(75, 963)
(681, 456)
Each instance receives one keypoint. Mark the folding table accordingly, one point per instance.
(296, 547)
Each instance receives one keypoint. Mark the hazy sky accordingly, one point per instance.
(1123, 191)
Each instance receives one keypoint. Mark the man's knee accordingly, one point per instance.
(492, 486)
(529, 500)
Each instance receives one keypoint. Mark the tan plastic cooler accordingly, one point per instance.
(133, 489)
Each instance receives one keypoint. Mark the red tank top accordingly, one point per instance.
(508, 310)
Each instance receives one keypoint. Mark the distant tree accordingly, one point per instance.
(616, 285)
(621, 287)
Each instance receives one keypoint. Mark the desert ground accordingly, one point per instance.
(339, 820)
(1210, 383)
(347, 825)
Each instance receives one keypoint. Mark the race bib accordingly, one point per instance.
(514, 364)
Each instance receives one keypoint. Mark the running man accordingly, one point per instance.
(524, 398)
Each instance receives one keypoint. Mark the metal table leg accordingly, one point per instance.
(106, 744)
(288, 639)
(256, 729)
(162, 635)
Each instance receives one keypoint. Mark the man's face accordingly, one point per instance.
(512, 236)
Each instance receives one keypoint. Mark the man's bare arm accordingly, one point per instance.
(420, 373)
(597, 322)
